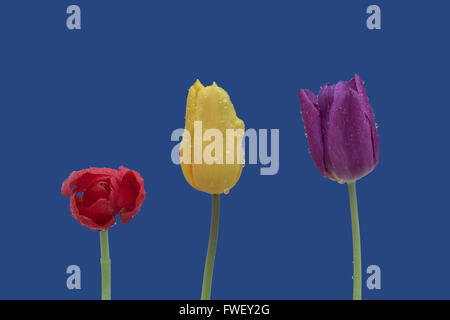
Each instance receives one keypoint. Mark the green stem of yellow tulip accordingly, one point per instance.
(105, 262)
(212, 245)
(356, 241)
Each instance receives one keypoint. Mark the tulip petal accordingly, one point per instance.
(325, 99)
(349, 136)
(83, 179)
(99, 190)
(340, 94)
(313, 127)
(190, 118)
(359, 85)
(131, 193)
(375, 141)
(98, 216)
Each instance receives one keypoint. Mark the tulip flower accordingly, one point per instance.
(213, 167)
(343, 142)
(96, 196)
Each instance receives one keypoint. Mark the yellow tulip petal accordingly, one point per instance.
(189, 126)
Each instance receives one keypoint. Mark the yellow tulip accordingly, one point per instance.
(215, 166)
(211, 150)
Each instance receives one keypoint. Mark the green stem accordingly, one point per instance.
(105, 262)
(356, 241)
(212, 245)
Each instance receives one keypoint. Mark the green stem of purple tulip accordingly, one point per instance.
(356, 242)
(105, 262)
(212, 245)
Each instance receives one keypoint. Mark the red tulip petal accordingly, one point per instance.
(100, 190)
(83, 179)
(131, 193)
(98, 216)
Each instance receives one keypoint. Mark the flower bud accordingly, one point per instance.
(341, 131)
(211, 151)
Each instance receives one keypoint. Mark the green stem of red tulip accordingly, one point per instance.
(356, 242)
(106, 265)
(212, 245)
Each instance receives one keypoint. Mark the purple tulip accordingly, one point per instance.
(341, 131)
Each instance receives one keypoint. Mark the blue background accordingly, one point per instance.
(112, 93)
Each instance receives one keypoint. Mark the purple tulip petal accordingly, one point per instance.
(313, 128)
(325, 100)
(340, 94)
(359, 86)
(375, 142)
(349, 136)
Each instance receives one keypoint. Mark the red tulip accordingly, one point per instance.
(98, 194)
